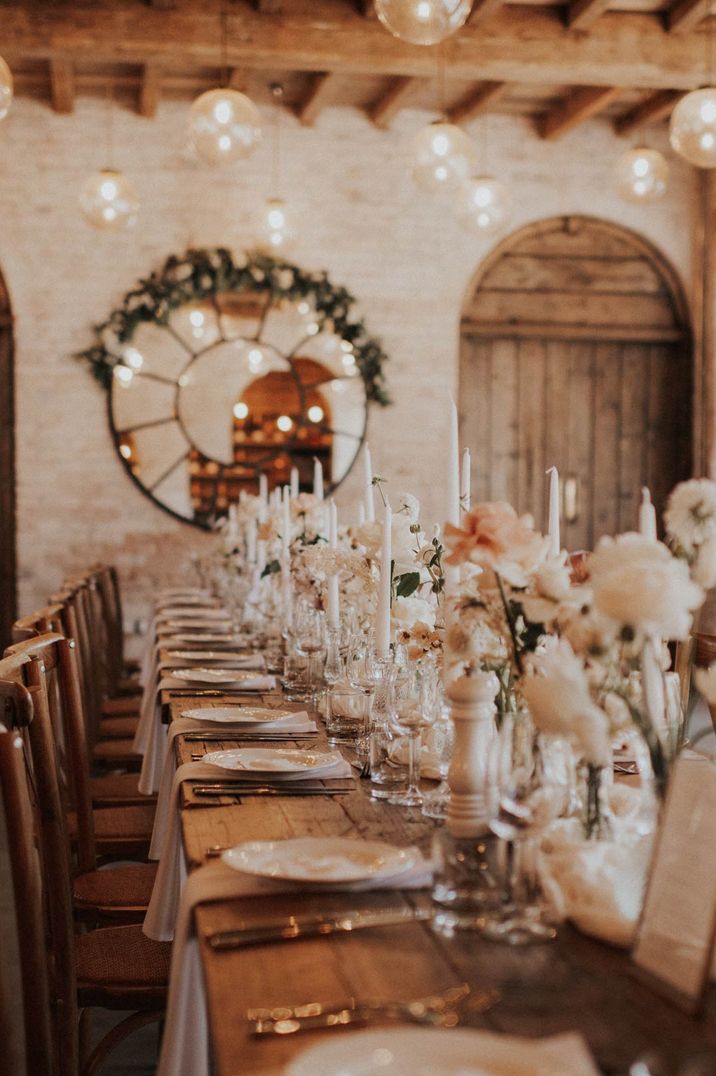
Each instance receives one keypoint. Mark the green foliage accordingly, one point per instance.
(205, 273)
(406, 584)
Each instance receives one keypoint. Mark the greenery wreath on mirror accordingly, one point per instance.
(204, 273)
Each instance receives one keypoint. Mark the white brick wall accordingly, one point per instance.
(400, 252)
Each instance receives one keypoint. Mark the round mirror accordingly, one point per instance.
(220, 370)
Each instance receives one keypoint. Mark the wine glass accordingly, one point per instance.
(412, 703)
(525, 793)
(310, 634)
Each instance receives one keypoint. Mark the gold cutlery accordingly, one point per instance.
(313, 926)
(268, 790)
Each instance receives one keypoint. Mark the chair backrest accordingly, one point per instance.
(25, 1024)
(34, 793)
(56, 658)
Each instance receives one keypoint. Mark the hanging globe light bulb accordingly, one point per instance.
(109, 201)
(423, 22)
(443, 156)
(276, 232)
(224, 125)
(6, 89)
(484, 204)
(692, 130)
(642, 175)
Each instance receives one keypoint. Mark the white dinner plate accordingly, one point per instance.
(213, 655)
(200, 675)
(321, 860)
(195, 612)
(210, 637)
(440, 1052)
(239, 715)
(274, 762)
(182, 623)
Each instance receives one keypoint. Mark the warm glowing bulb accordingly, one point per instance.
(423, 22)
(125, 451)
(196, 318)
(123, 374)
(443, 156)
(338, 386)
(241, 410)
(133, 358)
(108, 200)
(284, 423)
(224, 125)
(692, 128)
(348, 360)
(275, 228)
(642, 175)
(256, 358)
(315, 413)
(484, 204)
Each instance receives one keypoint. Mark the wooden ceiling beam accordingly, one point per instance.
(477, 100)
(582, 14)
(525, 45)
(150, 90)
(655, 107)
(62, 84)
(482, 9)
(382, 111)
(581, 104)
(315, 97)
(686, 14)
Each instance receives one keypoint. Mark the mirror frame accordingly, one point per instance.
(206, 273)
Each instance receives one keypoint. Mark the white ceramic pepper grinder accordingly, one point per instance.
(472, 704)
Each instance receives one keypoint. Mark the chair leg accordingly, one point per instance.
(104, 1048)
(84, 1034)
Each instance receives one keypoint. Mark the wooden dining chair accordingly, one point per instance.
(114, 967)
(25, 1025)
(97, 835)
(111, 789)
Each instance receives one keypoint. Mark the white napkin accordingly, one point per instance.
(161, 913)
(297, 723)
(185, 1043)
(255, 662)
(150, 738)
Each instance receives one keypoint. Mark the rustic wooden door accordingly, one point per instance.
(7, 471)
(575, 353)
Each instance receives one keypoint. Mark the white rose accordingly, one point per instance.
(407, 505)
(552, 579)
(406, 612)
(637, 582)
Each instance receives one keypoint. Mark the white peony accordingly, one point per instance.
(557, 694)
(406, 505)
(690, 515)
(406, 612)
(638, 583)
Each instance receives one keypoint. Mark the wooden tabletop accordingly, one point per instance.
(575, 983)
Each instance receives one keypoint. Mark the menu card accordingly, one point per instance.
(677, 931)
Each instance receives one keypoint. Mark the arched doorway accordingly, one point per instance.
(575, 351)
(8, 598)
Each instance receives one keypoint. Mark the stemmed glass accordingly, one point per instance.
(412, 704)
(441, 740)
(310, 636)
(524, 794)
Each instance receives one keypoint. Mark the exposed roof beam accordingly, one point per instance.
(389, 104)
(315, 98)
(62, 84)
(655, 107)
(268, 7)
(686, 14)
(518, 44)
(581, 104)
(582, 14)
(477, 100)
(481, 9)
(367, 9)
(163, 5)
(150, 91)
(238, 80)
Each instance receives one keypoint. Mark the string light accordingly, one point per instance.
(423, 22)
(642, 175)
(6, 88)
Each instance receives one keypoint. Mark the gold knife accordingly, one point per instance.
(316, 926)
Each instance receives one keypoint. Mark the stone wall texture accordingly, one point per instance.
(402, 253)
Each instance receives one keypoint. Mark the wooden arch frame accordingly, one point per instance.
(642, 246)
(8, 584)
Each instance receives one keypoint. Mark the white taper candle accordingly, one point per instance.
(317, 478)
(465, 481)
(647, 515)
(382, 620)
(368, 487)
(554, 513)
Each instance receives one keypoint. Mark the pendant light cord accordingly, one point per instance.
(110, 124)
(277, 93)
(224, 46)
(441, 80)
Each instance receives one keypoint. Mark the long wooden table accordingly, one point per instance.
(575, 983)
